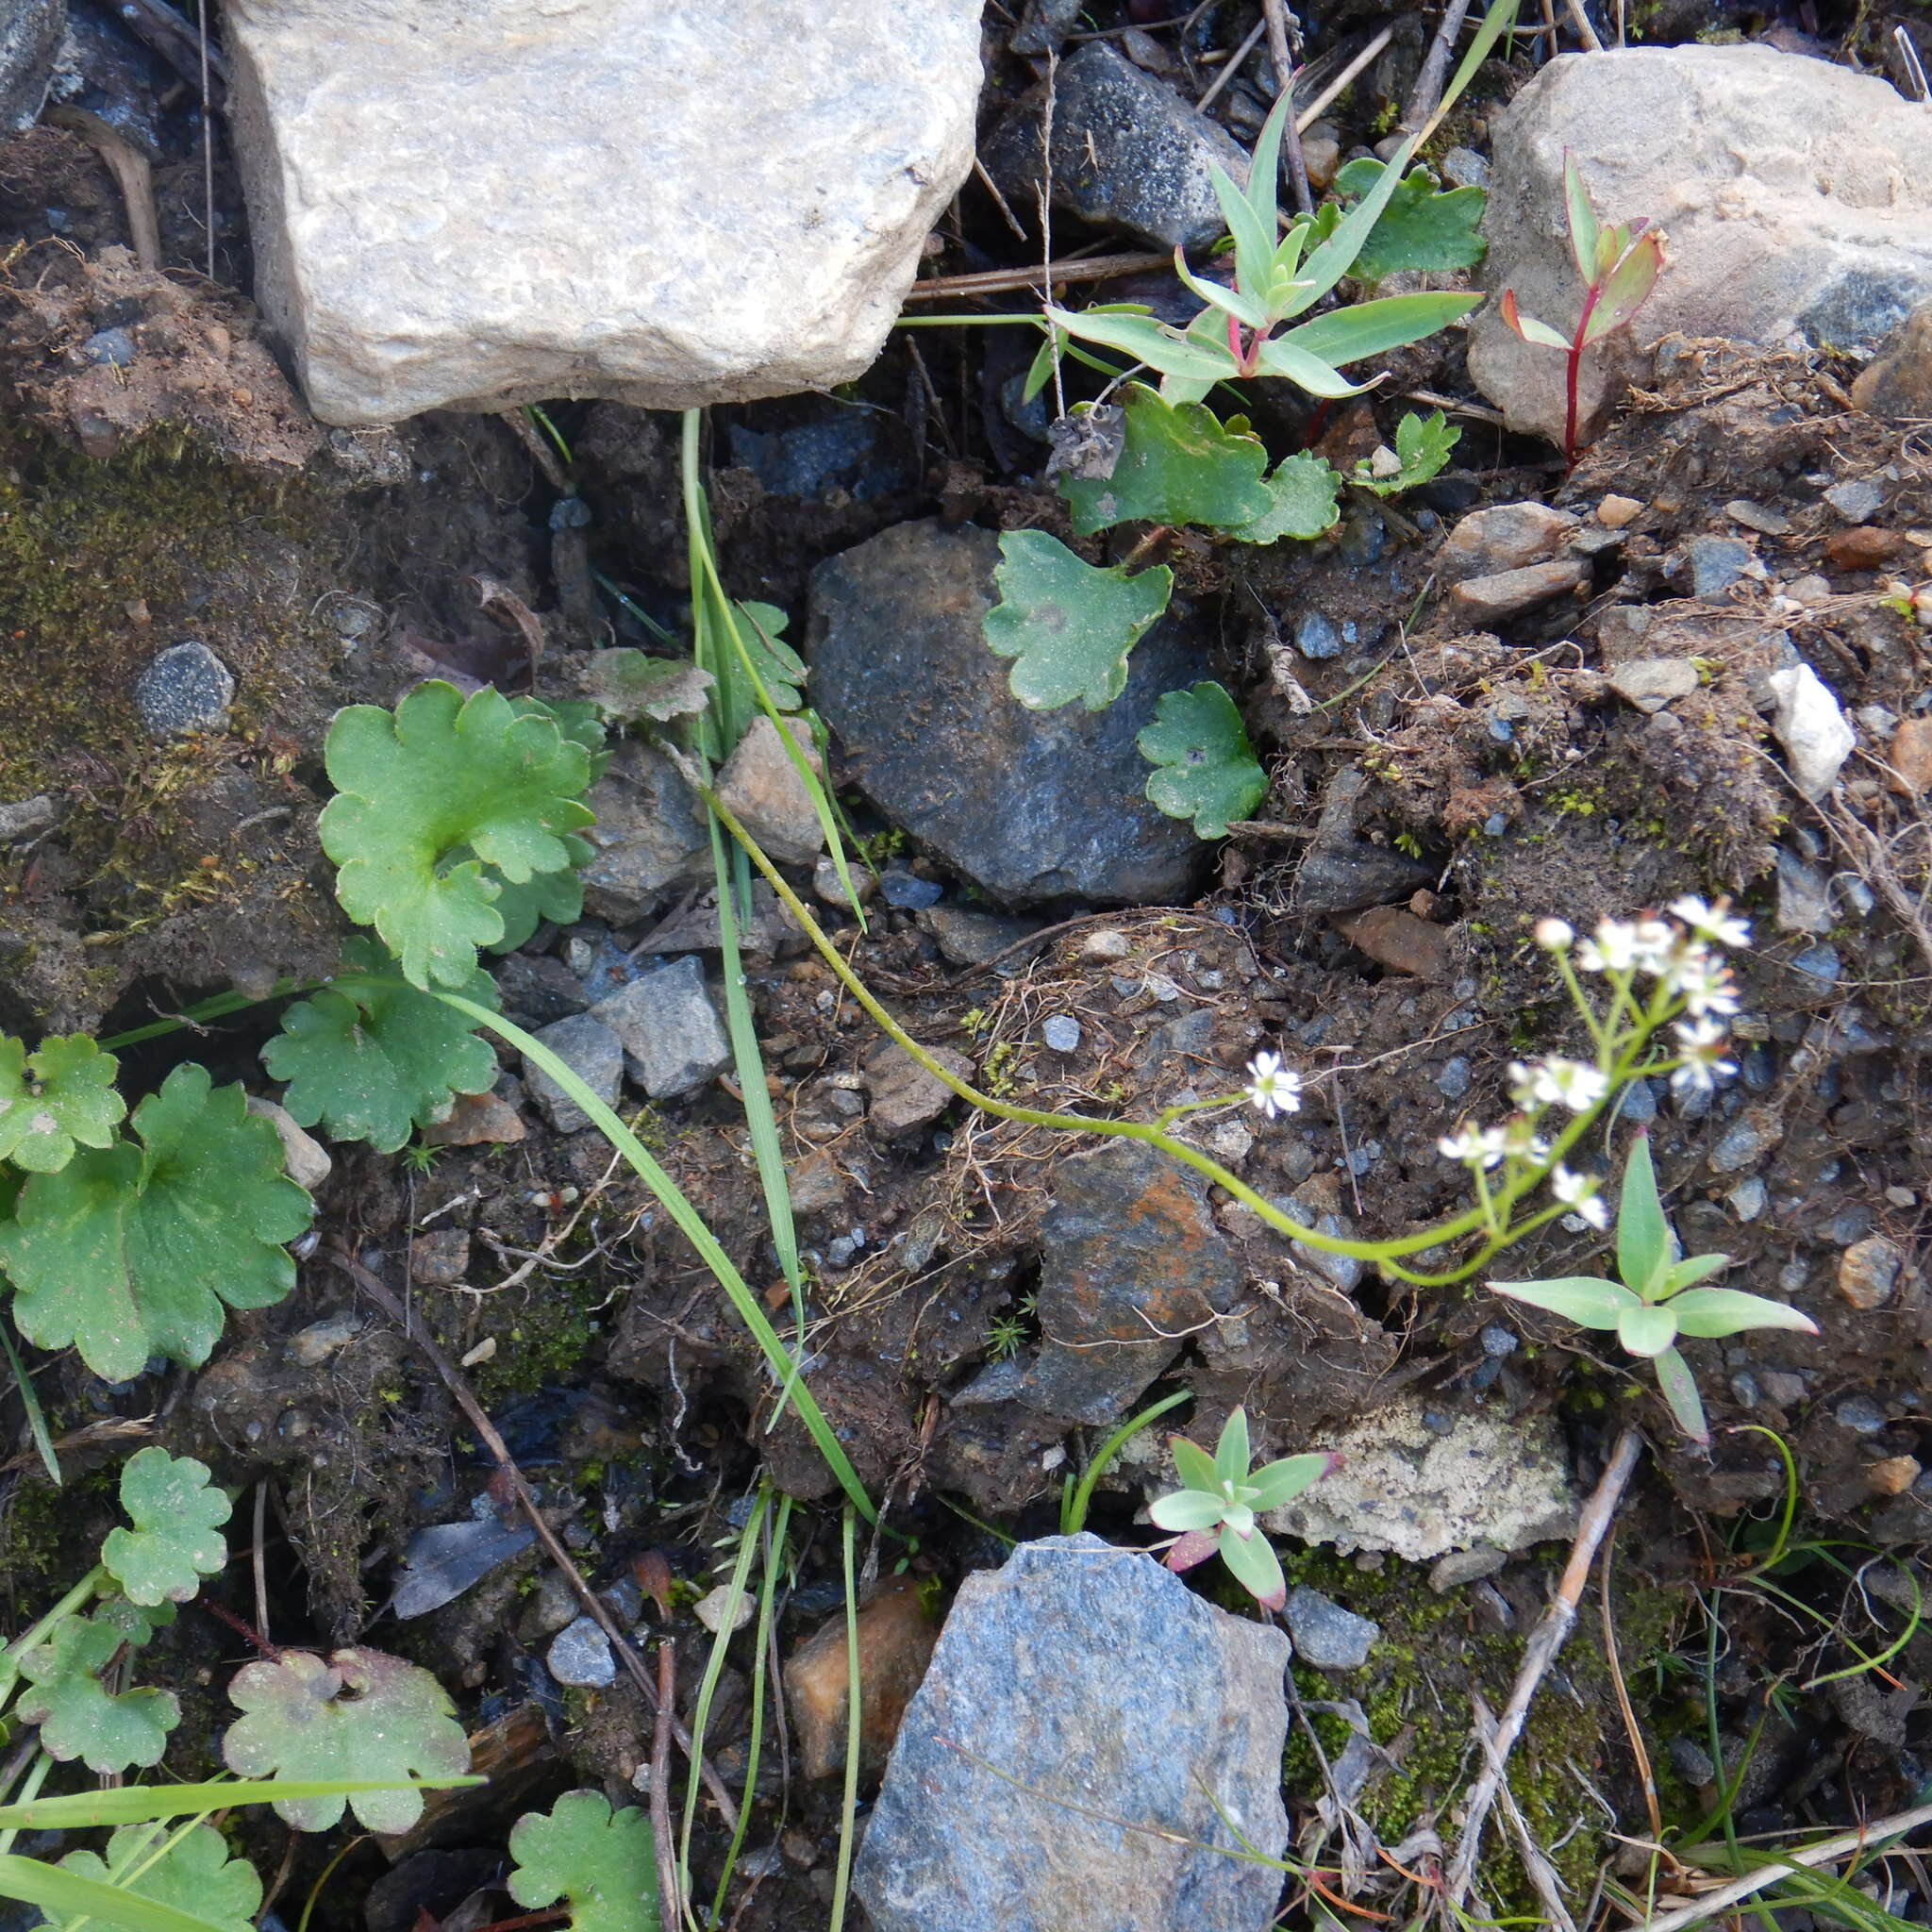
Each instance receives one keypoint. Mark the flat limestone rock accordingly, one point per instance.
(665, 202)
(1797, 198)
(1089, 1673)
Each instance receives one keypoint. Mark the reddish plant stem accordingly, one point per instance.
(1590, 297)
(246, 1629)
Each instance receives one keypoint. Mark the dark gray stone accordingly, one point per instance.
(1126, 153)
(971, 938)
(1341, 872)
(1129, 1258)
(1325, 1635)
(186, 687)
(1717, 563)
(30, 32)
(1061, 1032)
(673, 1040)
(446, 1559)
(1317, 636)
(580, 1654)
(590, 1050)
(1030, 805)
(1804, 895)
(1856, 502)
(539, 988)
(649, 834)
(1082, 1671)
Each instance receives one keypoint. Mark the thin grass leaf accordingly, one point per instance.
(136, 1803)
(71, 1894)
(30, 1402)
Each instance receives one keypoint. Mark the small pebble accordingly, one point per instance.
(1498, 1340)
(1325, 1635)
(1465, 1566)
(906, 891)
(710, 1611)
(1061, 1032)
(1744, 1390)
(1755, 516)
(1161, 988)
(1692, 1762)
(1230, 1143)
(1861, 1415)
(1453, 1081)
(1316, 636)
(1748, 1198)
(1783, 1388)
(186, 687)
(1819, 962)
(112, 348)
(1107, 943)
(1858, 502)
(1615, 513)
(580, 1655)
(1894, 1475)
(1868, 1272)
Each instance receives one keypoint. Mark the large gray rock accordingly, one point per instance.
(1797, 197)
(649, 834)
(30, 34)
(673, 1040)
(667, 202)
(1083, 1672)
(1029, 804)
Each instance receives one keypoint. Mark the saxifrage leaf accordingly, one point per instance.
(372, 1062)
(1422, 444)
(626, 684)
(177, 1539)
(601, 1863)
(61, 1094)
(193, 1874)
(78, 1716)
(1420, 230)
(1066, 625)
(1209, 771)
(1302, 502)
(439, 777)
(358, 1713)
(1179, 465)
(129, 1252)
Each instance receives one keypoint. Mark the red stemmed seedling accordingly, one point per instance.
(1619, 265)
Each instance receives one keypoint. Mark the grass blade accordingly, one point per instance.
(35, 1418)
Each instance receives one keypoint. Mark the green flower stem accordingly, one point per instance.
(218, 1008)
(1385, 1252)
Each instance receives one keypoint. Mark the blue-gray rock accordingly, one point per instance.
(1081, 1671)
(906, 892)
(1754, 1133)
(111, 348)
(1804, 895)
(1859, 1414)
(1045, 27)
(1497, 1340)
(1636, 1105)
(1061, 1032)
(1126, 153)
(30, 32)
(1818, 962)
(590, 1050)
(1717, 563)
(1129, 1258)
(580, 1654)
(446, 1559)
(1316, 636)
(1029, 804)
(649, 835)
(1856, 502)
(1325, 1635)
(184, 688)
(1453, 1081)
(539, 988)
(1749, 1197)
(673, 1040)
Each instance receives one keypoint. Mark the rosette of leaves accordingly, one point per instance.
(600, 1862)
(372, 1058)
(176, 1537)
(130, 1250)
(356, 1713)
(441, 806)
(190, 1872)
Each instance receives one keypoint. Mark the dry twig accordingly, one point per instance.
(670, 1893)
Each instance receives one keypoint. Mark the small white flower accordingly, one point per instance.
(1553, 935)
(1474, 1147)
(1272, 1087)
(1701, 1043)
(1559, 1082)
(1612, 949)
(1712, 922)
(1521, 1143)
(1704, 983)
(1657, 946)
(1578, 1191)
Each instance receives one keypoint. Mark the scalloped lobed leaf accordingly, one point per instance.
(601, 1862)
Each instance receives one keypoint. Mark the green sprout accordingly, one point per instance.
(1220, 1500)
(1657, 1300)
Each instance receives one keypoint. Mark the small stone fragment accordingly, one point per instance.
(971, 938)
(1464, 1566)
(1754, 1134)
(649, 834)
(1864, 547)
(304, 1158)
(309, 1347)
(1748, 1198)
(477, 1120)
(1804, 895)
(439, 1257)
(590, 1050)
(30, 36)
(1320, 155)
(1717, 563)
(712, 1608)
(1507, 537)
(1811, 729)
(1910, 758)
(816, 1185)
(185, 689)
(673, 1040)
(1894, 1476)
(1393, 937)
(1651, 683)
(829, 889)
(1756, 516)
(1898, 380)
(1868, 1272)
(1327, 1636)
(904, 1097)
(1861, 1415)
(1489, 600)
(760, 787)
(580, 1654)
(539, 988)
(1061, 1032)
(1107, 943)
(1618, 512)
(30, 815)
(1317, 636)
(1858, 502)
(896, 1645)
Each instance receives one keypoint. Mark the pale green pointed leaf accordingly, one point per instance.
(1629, 287)
(78, 1716)
(370, 1059)
(1647, 1328)
(1581, 218)
(1147, 341)
(1680, 1275)
(1255, 1567)
(1679, 1387)
(1251, 228)
(1208, 771)
(1714, 1311)
(1184, 1509)
(1276, 1483)
(1245, 309)
(1421, 229)
(129, 1252)
(1066, 625)
(1584, 1299)
(176, 1537)
(1528, 326)
(60, 1094)
(1264, 169)
(443, 775)
(627, 686)
(1336, 256)
(1178, 465)
(193, 1874)
(601, 1863)
(1289, 360)
(1231, 1453)
(1369, 328)
(357, 1714)
(1644, 1240)
(1305, 493)
(1193, 1465)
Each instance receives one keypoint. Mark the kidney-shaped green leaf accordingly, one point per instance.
(1068, 624)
